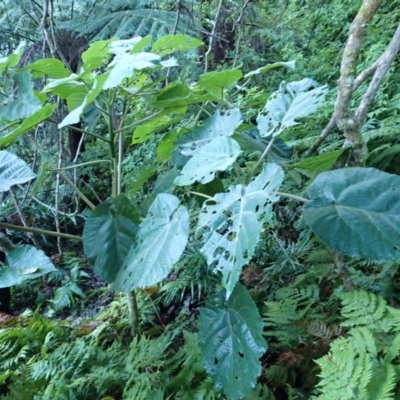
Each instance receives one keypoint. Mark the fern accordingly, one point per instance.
(360, 365)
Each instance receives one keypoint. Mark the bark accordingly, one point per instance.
(346, 119)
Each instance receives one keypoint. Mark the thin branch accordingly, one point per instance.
(22, 217)
(211, 37)
(325, 133)
(384, 64)
(39, 231)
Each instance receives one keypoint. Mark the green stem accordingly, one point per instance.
(133, 311)
(293, 197)
(140, 121)
(263, 155)
(38, 231)
(78, 192)
(201, 195)
(81, 165)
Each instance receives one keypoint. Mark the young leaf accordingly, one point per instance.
(13, 59)
(96, 55)
(292, 101)
(288, 64)
(125, 65)
(162, 237)
(215, 82)
(170, 43)
(231, 342)
(231, 224)
(148, 129)
(357, 211)
(24, 263)
(179, 95)
(109, 234)
(217, 125)
(215, 156)
(312, 166)
(13, 171)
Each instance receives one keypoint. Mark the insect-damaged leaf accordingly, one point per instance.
(231, 223)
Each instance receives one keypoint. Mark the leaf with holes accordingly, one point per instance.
(13, 171)
(162, 237)
(215, 156)
(231, 223)
(292, 101)
(217, 125)
(357, 211)
(231, 342)
(22, 264)
(109, 234)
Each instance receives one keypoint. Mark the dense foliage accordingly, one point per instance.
(199, 200)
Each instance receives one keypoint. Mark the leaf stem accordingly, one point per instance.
(293, 197)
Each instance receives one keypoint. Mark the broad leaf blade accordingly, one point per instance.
(24, 263)
(162, 237)
(215, 82)
(357, 211)
(217, 125)
(30, 122)
(13, 171)
(231, 342)
(109, 234)
(25, 103)
(290, 102)
(51, 67)
(170, 43)
(218, 155)
(231, 224)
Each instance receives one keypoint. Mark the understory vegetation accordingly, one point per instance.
(200, 200)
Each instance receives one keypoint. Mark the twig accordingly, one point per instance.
(39, 231)
(325, 133)
(211, 37)
(22, 217)
(385, 61)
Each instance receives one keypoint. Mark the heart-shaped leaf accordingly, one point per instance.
(161, 239)
(357, 212)
(231, 342)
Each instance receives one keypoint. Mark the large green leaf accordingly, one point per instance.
(96, 55)
(251, 140)
(162, 237)
(292, 101)
(124, 66)
(13, 171)
(219, 124)
(312, 166)
(30, 122)
(23, 105)
(357, 212)
(218, 155)
(109, 234)
(51, 67)
(24, 263)
(74, 116)
(147, 130)
(215, 82)
(231, 342)
(178, 95)
(231, 223)
(170, 43)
